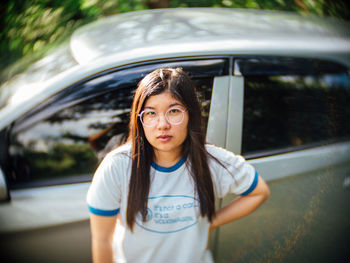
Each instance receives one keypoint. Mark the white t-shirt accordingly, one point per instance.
(174, 230)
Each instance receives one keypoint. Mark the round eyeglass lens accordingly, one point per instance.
(149, 118)
(175, 116)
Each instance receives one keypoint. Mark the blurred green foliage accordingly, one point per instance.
(62, 160)
(31, 28)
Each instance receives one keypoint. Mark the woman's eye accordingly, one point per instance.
(174, 111)
(150, 113)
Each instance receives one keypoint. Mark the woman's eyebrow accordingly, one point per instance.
(171, 105)
(176, 104)
(149, 107)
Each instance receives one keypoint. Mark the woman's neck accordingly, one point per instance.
(167, 159)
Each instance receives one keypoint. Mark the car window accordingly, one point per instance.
(293, 103)
(64, 139)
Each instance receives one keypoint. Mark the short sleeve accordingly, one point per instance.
(104, 194)
(231, 173)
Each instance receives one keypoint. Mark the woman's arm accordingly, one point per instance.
(242, 205)
(102, 230)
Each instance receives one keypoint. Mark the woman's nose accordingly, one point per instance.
(163, 122)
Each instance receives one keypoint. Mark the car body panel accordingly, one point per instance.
(306, 219)
(60, 243)
(44, 207)
(302, 161)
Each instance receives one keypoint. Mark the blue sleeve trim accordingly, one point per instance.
(254, 184)
(100, 212)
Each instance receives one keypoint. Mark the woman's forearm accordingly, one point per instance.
(102, 231)
(241, 206)
(238, 208)
(102, 252)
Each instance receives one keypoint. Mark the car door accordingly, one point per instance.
(289, 117)
(53, 150)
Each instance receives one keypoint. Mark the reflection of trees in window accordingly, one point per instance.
(204, 90)
(289, 111)
(61, 160)
(60, 147)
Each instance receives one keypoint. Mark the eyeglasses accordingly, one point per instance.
(150, 118)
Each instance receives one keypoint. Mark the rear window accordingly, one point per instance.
(292, 103)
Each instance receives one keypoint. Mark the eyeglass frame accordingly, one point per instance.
(165, 115)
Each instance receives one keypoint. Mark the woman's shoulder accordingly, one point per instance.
(222, 155)
(217, 150)
(122, 152)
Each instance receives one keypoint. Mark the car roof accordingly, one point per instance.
(169, 33)
(240, 31)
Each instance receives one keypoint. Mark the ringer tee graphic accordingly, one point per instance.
(170, 213)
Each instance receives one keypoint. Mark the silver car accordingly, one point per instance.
(275, 87)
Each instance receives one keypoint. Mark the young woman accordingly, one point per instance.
(153, 199)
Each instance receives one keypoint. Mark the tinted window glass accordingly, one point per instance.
(285, 107)
(70, 142)
(64, 141)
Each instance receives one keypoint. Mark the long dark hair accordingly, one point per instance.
(180, 85)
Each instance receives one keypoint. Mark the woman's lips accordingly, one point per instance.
(164, 138)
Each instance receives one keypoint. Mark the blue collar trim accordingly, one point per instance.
(168, 169)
